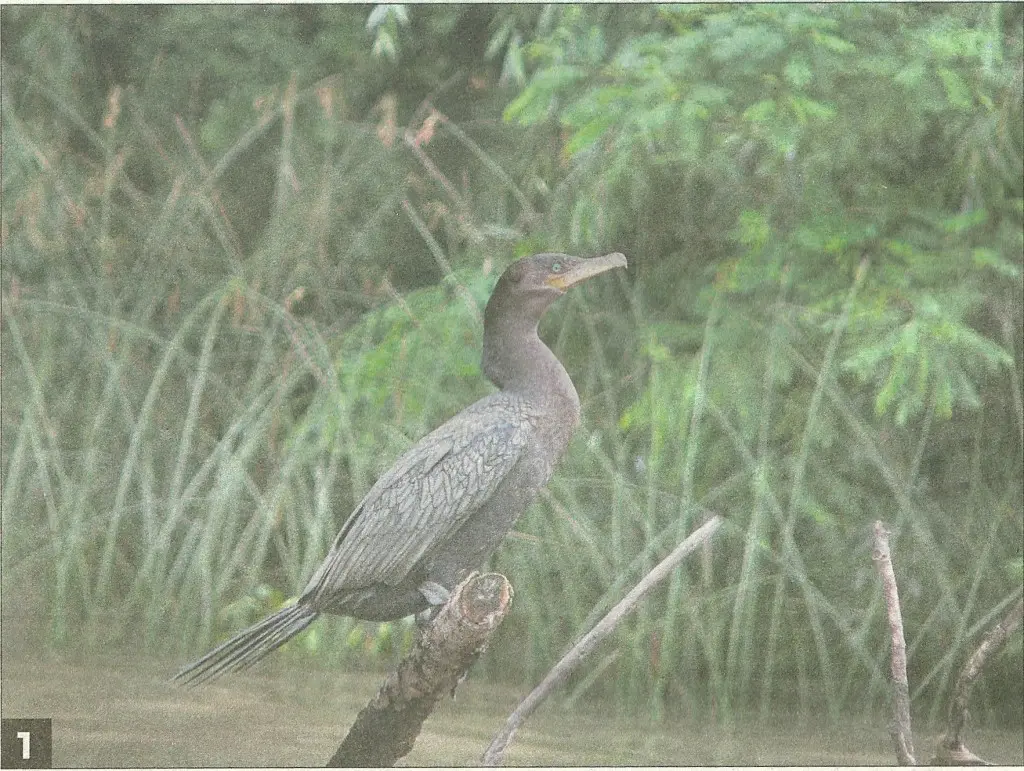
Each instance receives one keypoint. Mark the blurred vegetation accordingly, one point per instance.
(244, 253)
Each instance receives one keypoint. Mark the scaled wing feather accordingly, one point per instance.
(427, 496)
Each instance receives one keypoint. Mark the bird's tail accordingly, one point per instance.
(246, 648)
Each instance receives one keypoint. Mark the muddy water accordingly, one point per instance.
(121, 712)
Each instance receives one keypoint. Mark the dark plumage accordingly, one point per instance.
(448, 502)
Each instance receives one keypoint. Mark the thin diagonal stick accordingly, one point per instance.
(496, 750)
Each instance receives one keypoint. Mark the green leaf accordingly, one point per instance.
(384, 45)
(990, 258)
(589, 134)
(967, 394)
(957, 92)
(535, 102)
(753, 229)
(805, 109)
(992, 354)
(499, 38)
(759, 112)
(964, 222)
(911, 75)
(798, 72)
(832, 42)
(708, 94)
(513, 68)
(944, 398)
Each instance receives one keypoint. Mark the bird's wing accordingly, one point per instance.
(426, 496)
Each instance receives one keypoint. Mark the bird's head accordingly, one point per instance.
(528, 286)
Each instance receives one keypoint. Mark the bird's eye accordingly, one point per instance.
(556, 267)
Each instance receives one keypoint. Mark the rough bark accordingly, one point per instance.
(387, 727)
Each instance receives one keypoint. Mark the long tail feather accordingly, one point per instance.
(247, 647)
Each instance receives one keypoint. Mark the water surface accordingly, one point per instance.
(122, 712)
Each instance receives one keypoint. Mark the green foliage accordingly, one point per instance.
(244, 251)
(809, 148)
(933, 359)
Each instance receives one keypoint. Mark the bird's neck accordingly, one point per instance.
(516, 359)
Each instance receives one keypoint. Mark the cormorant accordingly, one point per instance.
(448, 502)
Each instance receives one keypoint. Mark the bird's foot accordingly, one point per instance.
(434, 593)
(437, 596)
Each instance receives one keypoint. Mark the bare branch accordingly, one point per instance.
(900, 726)
(496, 751)
(951, 750)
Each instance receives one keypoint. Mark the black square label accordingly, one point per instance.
(26, 742)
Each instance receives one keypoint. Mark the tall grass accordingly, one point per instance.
(181, 442)
(161, 499)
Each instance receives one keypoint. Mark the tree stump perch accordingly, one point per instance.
(386, 729)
